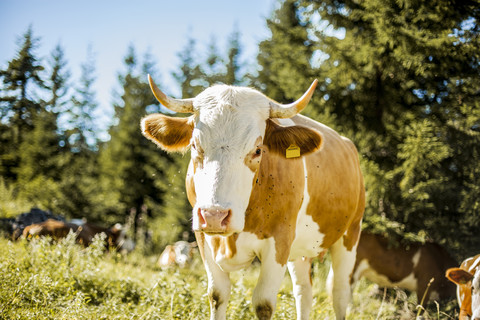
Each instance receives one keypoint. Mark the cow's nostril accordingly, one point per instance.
(201, 219)
(226, 219)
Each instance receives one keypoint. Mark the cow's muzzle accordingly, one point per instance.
(214, 221)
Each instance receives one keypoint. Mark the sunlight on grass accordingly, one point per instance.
(41, 280)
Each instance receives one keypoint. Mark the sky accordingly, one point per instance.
(159, 27)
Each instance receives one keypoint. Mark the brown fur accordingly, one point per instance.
(169, 133)
(280, 183)
(279, 138)
(462, 280)
(59, 229)
(396, 263)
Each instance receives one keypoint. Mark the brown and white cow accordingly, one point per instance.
(408, 267)
(180, 253)
(467, 279)
(265, 182)
(84, 233)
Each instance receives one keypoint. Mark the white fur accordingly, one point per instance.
(476, 294)
(365, 270)
(302, 286)
(338, 281)
(229, 121)
(307, 237)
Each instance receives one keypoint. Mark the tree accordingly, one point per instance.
(190, 78)
(83, 106)
(233, 65)
(284, 58)
(18, 104)
(130, 165)
(400, 82)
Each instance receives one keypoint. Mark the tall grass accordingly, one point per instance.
(44, 280)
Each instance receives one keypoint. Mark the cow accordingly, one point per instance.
(85, 233)
(35, 215)
(409, 267)
(180, 253)
(264, 182)
(467, 279)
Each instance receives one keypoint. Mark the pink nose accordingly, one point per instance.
(214, 220)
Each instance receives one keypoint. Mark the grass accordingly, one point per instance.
(44, 280)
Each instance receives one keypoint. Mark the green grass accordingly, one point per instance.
(41, 280)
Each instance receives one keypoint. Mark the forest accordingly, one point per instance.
(401, 79)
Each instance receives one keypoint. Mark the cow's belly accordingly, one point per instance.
(365, 270)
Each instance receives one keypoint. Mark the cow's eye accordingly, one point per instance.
(258, 151)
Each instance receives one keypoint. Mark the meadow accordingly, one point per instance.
(44, 280)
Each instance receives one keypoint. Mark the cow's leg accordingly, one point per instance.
(218, 287)
(271, 276)
(302, 285)
(343, 261)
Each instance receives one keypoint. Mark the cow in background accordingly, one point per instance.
(265, 182)
(467, 279)
(408, 267)
(115, 236)
(180, 254)
(35, 215)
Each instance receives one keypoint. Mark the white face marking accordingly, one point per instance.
(474, 265)
(476, 294)
(228, 123)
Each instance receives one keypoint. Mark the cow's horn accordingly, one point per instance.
(278, 110)
(177, 105)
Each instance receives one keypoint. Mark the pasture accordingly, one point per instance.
(44, 280)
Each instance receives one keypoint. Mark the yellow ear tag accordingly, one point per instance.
(293, 151)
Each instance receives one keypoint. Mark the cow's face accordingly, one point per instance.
(228, 135)
(468, 290)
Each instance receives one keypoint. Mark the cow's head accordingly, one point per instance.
(468, 290)
(229, 133)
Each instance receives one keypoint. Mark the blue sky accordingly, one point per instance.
(159, 27)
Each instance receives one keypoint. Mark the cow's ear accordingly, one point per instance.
(458, 276)
(169, 133)
(291, 142)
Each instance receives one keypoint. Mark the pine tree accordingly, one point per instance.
(82, 134)
(403, 83)
(130, 164)
(213, 68)
(233, 65)
(190, 78)
(284, 58)
(18, 102)
(79, 163)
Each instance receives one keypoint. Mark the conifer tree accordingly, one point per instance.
(233, 64)
(190, 78)
(284, 58)
(400, 82)
(18, 102)
(79, 165)
(213, 68)
(82, 133)
(129, 163)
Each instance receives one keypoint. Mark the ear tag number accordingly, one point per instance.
(293, 151)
